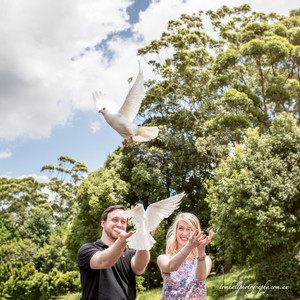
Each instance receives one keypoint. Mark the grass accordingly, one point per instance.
(214, 286)
(218, 287)
(75, 296)
(233, 295)
(153, 294)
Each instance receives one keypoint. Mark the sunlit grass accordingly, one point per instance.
(75, 296)
(214, 286)
(153, 294)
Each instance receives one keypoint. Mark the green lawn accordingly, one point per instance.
(70, 297)
(153, 294)
(232, 296)
(214, 286)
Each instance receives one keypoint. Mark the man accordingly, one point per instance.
(108, 267)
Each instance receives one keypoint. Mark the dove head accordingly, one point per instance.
(102, 110)
(139, 206)
(139, 209)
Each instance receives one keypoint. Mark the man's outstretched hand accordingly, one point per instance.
(123, 235)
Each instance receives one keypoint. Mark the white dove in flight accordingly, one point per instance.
(147, 221)
(122, 120)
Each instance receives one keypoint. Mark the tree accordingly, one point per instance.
(63, 186)
(54, 254)
(7, 229)
(254, 198)
(241, 76)
(213, 88)
(99, 190)
(16, 198)
(35, 263)
(25, 283)
(38, 226)
(17, 251)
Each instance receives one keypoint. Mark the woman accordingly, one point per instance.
(185, 265)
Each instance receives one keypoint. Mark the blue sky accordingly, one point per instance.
(53, 55)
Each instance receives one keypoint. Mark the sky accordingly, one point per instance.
(55, 54)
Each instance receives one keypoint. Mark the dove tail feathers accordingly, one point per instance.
(146, 133)
(138, 242)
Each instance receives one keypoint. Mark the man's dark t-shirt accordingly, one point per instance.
(115, 283)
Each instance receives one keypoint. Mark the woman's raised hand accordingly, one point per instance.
(196, 238)
(205, 241)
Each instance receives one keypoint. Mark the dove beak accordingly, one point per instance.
(101, 110)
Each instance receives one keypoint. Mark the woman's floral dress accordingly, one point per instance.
(182, 284)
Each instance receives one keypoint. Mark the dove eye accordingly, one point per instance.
(103, 108)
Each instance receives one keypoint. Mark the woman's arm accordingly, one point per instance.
(167, 264)
(203, 262)
(203, 268)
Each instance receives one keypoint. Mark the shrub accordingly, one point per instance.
(25, 283)
(281, 273)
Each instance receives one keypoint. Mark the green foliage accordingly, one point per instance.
(17, 196)
(25, 283)
(99, 190)
(6, 270)
(280, 272)
(63, 187)
(255, 198)
(7, 229)
(213, 90)
(17, 251)
(66, 282)
(139, 284)
(38, 226)
(16, 286)
(54, 254)
(152, 274)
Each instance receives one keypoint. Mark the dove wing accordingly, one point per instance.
(99, 100)
(157, 211)
(135, 218)
(133, 100)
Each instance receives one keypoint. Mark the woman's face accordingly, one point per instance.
(183, 232)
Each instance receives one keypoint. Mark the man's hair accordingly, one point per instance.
(110, 209)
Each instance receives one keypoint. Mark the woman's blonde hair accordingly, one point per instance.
(172, 245)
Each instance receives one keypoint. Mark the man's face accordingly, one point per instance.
(114, 220)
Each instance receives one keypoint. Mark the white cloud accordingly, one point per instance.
(5, 154)
(39, 178)
(41, 87)
(95, 126)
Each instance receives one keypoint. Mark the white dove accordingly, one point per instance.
(147, 221)
(122, 120)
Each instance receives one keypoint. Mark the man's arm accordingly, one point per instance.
(107, 258)
(140, 261)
